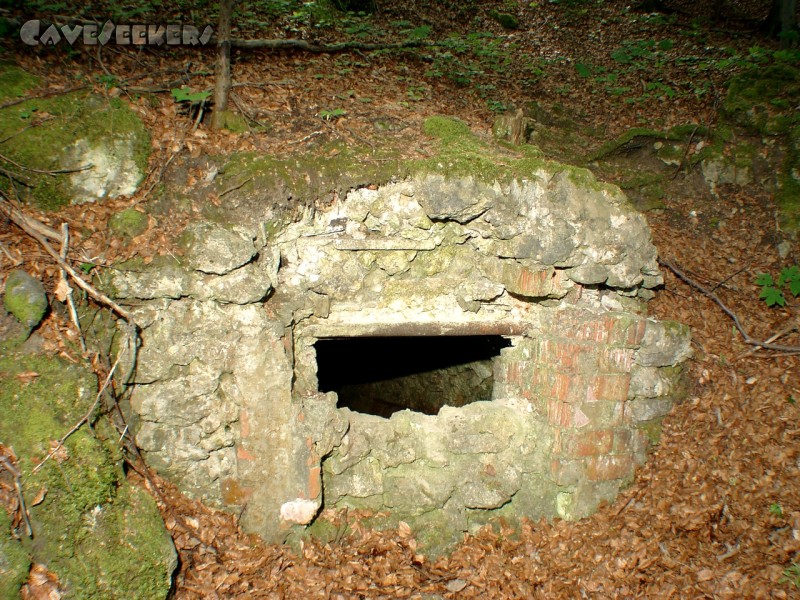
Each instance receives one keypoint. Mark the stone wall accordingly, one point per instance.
(227, 399)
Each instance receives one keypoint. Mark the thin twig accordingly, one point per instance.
(200, 111)
(736, 322)
(70, 300)
(235, 187)
(84, 419)
(18, 487)
(306, 138)
(47, 172)
(685, 153)
(788, 329)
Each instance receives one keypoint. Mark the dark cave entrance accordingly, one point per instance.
(383, 375)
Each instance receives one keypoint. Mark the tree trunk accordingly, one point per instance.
(222, 85)
(782, 19)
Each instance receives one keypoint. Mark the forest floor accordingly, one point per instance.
(715, 512)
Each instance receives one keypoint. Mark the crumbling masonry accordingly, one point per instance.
(556, 269)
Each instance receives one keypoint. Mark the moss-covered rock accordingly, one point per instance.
(14, 560)
(505, 20)
(763, 99)
(101, 139)
(103, 538)
(128, 223)
(25, 298)
(788, 195)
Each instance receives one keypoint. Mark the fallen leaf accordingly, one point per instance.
(27, 376)
(456, 585)
(62, 290)
(39, 498)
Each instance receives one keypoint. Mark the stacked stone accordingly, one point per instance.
(603, 383)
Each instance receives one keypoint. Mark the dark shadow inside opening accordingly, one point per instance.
(382, 375)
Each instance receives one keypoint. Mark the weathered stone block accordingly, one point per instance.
(664, 344)
(214, 249)
(566, 472)
(647, 409)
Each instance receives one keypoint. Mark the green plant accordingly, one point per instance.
(496, 106)
(184, 94)
(792, 575)
(775, 509)
(772, 292)
(331, 115)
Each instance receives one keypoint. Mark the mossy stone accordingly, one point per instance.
(505, 20)
(25, 298)
(128, 223)
(102, 538)
(97, 122)
(233, 122)
(14, 560)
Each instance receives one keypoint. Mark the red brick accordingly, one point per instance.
(314, 482)
(559, 413)
(243, 454)
(615, 360)
(553, 385)
(626, 331)
(512, 371)
(580, 444)
(612, 387)
(607, 468)
(609, 329)
(561, 355)
(533, 284)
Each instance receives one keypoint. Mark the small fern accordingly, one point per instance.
(772, 291)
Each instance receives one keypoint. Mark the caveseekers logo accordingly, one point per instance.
(35, 33)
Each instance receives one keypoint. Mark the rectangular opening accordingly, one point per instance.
(382, 375)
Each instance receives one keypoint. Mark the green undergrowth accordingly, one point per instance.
(764, 100)
(103, 538)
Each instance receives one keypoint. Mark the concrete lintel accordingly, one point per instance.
(414, 329)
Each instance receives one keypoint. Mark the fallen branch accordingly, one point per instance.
(24, 222)
(295, 44)
(43, 95)
(13, 213)
(767, 345)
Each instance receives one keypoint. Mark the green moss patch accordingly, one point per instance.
(39, 131)
(763, 99)
(128, 223)
(102, 538)
(14, 560)
(14, 82)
